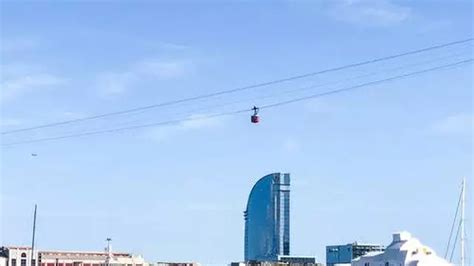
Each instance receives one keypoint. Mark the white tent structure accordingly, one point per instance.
(404, 250)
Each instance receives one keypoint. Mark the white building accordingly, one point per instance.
(19, 256)
(404, 250)
(3, 261)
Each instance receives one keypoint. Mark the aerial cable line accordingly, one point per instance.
(176, 121)
(300, 89)
(351, 78)
(365, 84)
(292, 90)
(263, 84)
(169, 122)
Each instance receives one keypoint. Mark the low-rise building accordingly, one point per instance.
(177, 264)
(344, 254)
(3, 257)
(21, 256)
(404, 250)
(259, 263)
(79, 258)
(298, 260)
(283, 260)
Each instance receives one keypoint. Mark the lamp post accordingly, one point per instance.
(109, 251)
(32, 258)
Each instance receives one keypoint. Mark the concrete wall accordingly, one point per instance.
(3, 261)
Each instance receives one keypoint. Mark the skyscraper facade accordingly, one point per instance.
(267, 219)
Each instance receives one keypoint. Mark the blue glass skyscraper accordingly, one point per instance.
(267, 219)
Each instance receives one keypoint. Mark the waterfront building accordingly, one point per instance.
(293, 261)
(258, 263)
(177, 264)
(3, 257)
(344, 254)
(267, 219)
(21, 256)
(298, 260)
(404, 250)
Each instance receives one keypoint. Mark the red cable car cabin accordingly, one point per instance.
(255, 119)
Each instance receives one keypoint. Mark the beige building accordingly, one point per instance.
(21, 256)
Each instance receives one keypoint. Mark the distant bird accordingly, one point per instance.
(34, 154)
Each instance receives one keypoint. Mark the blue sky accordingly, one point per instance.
(364, 164)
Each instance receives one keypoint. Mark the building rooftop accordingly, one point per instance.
(71, 252)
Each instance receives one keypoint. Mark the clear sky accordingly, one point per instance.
(364, 164)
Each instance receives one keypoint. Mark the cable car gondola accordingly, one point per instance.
(255, 118)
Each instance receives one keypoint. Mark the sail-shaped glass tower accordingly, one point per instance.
(267, 219)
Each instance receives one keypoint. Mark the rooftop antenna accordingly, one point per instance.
(109, 250)
(33, 240)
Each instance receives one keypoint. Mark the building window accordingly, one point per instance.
(33, 262)
(23, 255)
(23, 262)
(13, 262)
